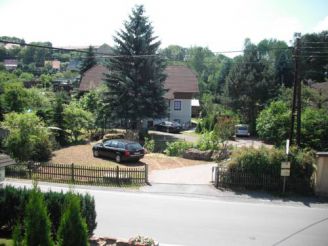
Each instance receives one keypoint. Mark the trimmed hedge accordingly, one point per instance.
(268, 161)
(13, 201)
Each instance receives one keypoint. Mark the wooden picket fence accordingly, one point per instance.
(75, 174)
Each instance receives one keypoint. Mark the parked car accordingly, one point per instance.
(168, 126)
(119, 150)
(242, 130)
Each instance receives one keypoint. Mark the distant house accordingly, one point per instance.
(5, 160)
(104, 49)
(10, 64)
(322, 88)
(93, 78)
(55, 64)
(181, 85)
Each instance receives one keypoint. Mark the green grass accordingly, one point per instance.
(6, 242)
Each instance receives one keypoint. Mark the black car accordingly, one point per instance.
(119, 150)
(168, 126)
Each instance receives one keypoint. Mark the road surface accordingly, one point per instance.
(182, 220)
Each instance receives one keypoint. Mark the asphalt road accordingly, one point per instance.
(181, 220)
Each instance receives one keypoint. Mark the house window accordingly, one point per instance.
(177, 105)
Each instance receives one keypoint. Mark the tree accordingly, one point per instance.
(73, 228)
(273, 123)
(14, 97)
(136, 77)
(76, 119)
(89, 60)
(250, 84)
(28, 138)
(37, 222)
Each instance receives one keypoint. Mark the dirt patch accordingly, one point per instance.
(82, 155)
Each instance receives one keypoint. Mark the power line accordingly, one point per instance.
(75, 50)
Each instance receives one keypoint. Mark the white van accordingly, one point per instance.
(242, 130)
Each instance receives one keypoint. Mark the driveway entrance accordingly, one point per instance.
(197, 174)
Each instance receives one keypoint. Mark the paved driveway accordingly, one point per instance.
(198, 174)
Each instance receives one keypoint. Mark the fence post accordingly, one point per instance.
(146, 173)
(117, 175)
(72, 172)
(216, 176)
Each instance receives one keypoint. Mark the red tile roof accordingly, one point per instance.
(92, 78)
(180, 79)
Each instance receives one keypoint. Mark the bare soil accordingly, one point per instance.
(82, 155)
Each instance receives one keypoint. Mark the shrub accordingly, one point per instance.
(208, 141)
(177, 148)
(36, 222)
(149, 145)
(13, 202)
(314, 132)
(273, 123)
(73, 228)
(28, 139)
(268, 161)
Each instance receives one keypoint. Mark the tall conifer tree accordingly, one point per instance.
(136, 76)
(89, 60)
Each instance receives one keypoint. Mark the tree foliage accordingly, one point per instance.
(73, 228)
(28, 137)
(75, 119)
(136, 79)
(89, 60)
(273, 122)
(37, 223)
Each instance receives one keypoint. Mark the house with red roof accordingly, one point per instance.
(181, 85)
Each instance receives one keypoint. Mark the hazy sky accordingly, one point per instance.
(219, 25)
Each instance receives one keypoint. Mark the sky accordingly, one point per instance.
(220, 25)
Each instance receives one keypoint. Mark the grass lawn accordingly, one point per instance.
(6, 242)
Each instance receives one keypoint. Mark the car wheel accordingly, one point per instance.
(96, 153)
(118, 158)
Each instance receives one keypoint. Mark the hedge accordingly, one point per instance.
(13, 201)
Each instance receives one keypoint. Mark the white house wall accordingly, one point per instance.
(184, 114)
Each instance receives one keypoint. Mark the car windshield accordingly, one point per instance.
(133, 147)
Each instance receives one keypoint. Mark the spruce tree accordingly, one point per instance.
(89, 60)
(136, 76)
(37, 222)
(73, 228)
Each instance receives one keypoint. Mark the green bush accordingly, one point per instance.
(268, 161)
(13, 202)
(28, 137)
(149, 145)
(208, 141)
(177, 148)
(273, 123)
(314, 131)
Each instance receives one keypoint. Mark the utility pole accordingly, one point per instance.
(297, 91)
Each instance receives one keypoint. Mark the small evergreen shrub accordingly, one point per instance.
(13, 204)
(73, 228)
(36, 221)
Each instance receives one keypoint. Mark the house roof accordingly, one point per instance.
(5, 160)
(180, 79)
(320, 86)
(10, 62)
(93, 78)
